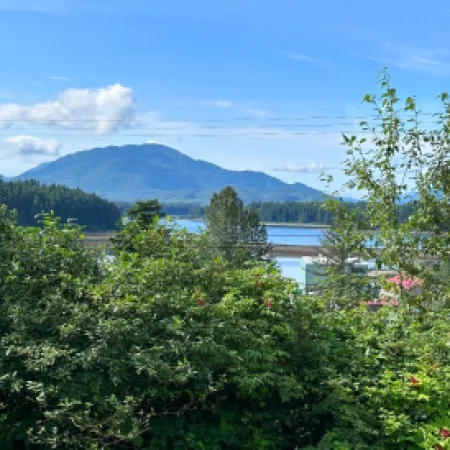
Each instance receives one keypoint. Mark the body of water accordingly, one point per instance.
(290, 267)
(276, 234)
(285, 235)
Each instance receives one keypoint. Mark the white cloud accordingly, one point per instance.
(221, 104)
(309, 168)
(30, 146)
(258, 113)
(103, 110)
(58, 78)
(408, 58)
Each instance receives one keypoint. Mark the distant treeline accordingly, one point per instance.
(30, 198)
(171, 209)
(287, 212)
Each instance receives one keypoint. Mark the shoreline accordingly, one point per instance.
(296, 251)
(267, 224)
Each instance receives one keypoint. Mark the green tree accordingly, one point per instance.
(388, 371)
(234, 231)
(142, 215)
(144, 212)
(344, 239)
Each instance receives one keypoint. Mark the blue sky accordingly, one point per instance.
(236, 83)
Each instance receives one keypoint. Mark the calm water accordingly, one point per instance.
(276, 234)
(290, 267)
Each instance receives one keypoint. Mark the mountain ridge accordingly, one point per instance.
(132, 172)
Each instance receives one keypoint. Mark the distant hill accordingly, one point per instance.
(30, 198)
(133, 172)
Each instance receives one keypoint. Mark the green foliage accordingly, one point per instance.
(160, 349)
(286, 212)
(178, 344)
(346, 238)
(233, 231)
(141, 216)
(145, 212)
(389, 371)
(30, 198)
(388, 382)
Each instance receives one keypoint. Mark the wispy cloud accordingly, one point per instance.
(307, 59)
(433, 61)
(221, 104)
(58, 78)
(295, 168)
(258, 113)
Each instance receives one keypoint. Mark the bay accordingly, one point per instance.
(285, 235)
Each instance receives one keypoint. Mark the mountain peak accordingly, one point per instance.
(132, 172)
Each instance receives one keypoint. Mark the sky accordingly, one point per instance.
(247, 84)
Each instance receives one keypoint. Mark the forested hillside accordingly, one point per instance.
(281, 212)
(313, 212)
(30, 198)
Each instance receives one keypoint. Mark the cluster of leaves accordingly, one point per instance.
(391, 378)
(162, 348)
(187, 342)
(30, 198)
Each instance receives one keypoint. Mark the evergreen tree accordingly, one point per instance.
(145, 212)
(143, 215)
(234, 231)
(343, 240)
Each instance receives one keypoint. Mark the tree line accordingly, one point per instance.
(30, 198)
(279, 212)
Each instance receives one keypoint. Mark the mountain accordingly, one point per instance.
(133, 172)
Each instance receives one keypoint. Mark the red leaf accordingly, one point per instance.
(444, 433)
(258, 284)
(200, 302)
(413, 380)
(438, 447)
(268, 302)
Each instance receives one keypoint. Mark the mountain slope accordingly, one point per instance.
(132, 172)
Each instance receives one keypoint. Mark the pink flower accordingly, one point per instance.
(444, 433)
(406, 283)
